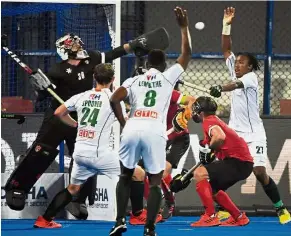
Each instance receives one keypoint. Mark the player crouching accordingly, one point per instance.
(214, 178)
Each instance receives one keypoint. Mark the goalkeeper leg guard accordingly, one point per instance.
(37, 160)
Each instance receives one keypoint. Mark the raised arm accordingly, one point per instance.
(186, 47)
(226, 29)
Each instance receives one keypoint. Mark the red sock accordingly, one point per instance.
(146, 188)
(166, 188)
(224, 200)
(204, 191)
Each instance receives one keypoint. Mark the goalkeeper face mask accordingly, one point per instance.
(70, 46)
(201, 105)
(196, 111)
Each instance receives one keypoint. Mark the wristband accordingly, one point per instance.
(226, 29)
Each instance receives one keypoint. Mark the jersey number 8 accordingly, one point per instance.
(150, 98)
(90, 116)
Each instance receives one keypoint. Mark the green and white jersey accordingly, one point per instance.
(95, 120)
(149, 96)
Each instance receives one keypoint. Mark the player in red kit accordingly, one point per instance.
(177, 144)
(213, 178)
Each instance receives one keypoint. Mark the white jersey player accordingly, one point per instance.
(144, 134)
(92, 154)
(245, 113)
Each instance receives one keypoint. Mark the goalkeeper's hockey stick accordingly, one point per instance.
(194, 86)
(11, 116)
(25, 67)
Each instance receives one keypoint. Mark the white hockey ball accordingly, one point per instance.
(199, 25)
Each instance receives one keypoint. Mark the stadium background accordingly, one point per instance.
(262, 28)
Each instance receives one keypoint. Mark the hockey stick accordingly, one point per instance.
(26, 67)
(10, 116)
(202, 89)
(181, 181)
(190, 171)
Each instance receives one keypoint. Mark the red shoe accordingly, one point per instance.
(242, 220)
(159, 218)
(42, 223)
(142, 218)
(207, 221)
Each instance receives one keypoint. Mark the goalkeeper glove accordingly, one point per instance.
(180, 120)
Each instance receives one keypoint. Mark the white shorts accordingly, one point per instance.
(137, 144)
(257, 148)
(84, 167)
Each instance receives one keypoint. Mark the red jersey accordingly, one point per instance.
(173, 108)
(233, 146)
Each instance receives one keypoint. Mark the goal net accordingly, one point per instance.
(32, 29)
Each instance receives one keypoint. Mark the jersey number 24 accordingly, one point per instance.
(90, 116)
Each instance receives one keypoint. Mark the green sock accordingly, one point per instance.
(278, 204)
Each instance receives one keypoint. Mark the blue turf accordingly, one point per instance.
(178, 226)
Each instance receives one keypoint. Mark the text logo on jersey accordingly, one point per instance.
(94, 96)
(151, 77)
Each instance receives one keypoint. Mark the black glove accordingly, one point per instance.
(139, 46)
(177, 184)
(215, 91)
(206, 155)
(155, 39)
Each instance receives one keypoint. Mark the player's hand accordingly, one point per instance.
(228, 15)
(215, 91)
(206, 155)
(181, 17)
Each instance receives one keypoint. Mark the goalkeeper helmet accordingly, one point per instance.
(203, 104)
(70, 46)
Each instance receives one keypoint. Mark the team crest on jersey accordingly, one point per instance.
(87, 62)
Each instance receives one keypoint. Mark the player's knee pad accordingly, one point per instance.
(35, 163)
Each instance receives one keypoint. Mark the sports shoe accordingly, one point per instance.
(141, 218)
(284, 215)
(223, 215)
(168, 210)
(242, 220)
(149, 232)
(43, 223)
(118, 228)
(207, 221)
